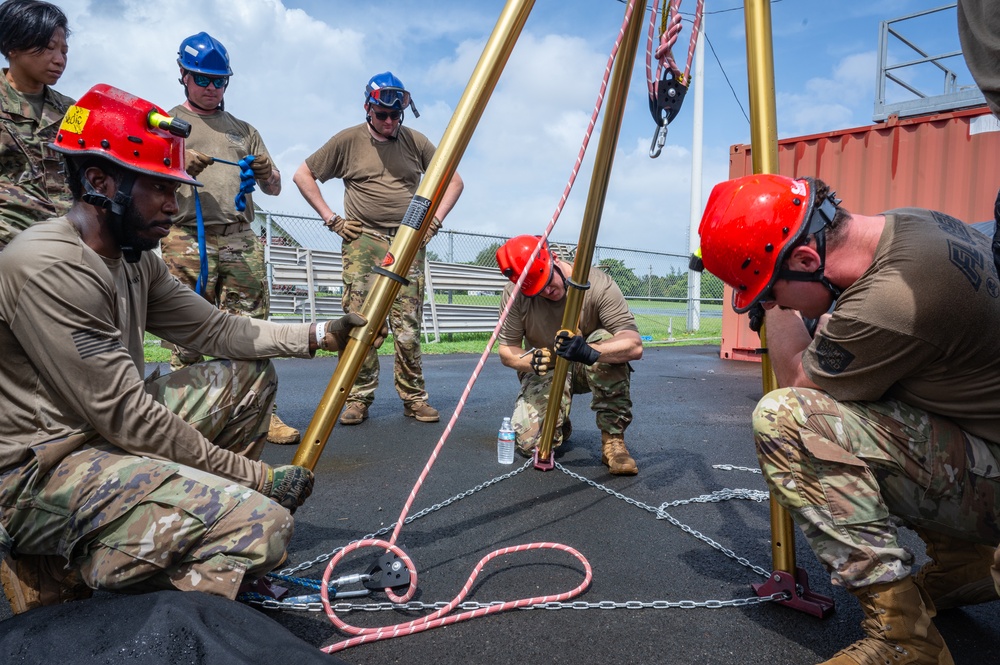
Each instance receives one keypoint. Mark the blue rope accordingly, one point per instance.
(247, 185)
(202, 252)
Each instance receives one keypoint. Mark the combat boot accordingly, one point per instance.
(898, 629)
(422, 411)
(354, 413)
(31, 581)
(958, 573)
(280, 433)
(615, 455)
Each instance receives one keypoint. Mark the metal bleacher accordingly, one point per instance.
(306, 285)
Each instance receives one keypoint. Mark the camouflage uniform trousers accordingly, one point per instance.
(237, 277)
(405, 318)
(848, 471)
(135, 524)
(609, 384)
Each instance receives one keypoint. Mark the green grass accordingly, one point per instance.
(654, 326)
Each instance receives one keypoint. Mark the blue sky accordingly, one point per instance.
(301, 66)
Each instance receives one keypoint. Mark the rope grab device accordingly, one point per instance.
(668, 88)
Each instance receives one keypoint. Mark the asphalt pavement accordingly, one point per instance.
(672, 586)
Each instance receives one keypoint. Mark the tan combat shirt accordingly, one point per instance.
(920, 325)
(32, 175)
(537, 320)
(224, 136)
(380, 177)
(71, 329)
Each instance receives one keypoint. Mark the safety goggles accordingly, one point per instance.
(382, 115)
(202, 81)
(391, 97)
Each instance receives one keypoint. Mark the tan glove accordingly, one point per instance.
(542, 361)
(348, 229)
(195, 162)
(334, 334)
(432, 230)
(382, 334)
(261, 167)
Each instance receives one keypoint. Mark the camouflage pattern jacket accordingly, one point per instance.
(32, 179)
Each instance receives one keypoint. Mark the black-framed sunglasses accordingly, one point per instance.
(202, 81)
(382, 115)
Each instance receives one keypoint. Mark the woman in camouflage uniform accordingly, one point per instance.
(32, 182)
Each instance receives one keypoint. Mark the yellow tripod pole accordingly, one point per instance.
(764, 156)
(615, 109)
(396, 264)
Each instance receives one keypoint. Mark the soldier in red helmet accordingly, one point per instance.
(599, 353)
(107, 480)
(891, 412)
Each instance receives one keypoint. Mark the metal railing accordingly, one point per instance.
(911, 68)
(464, 285)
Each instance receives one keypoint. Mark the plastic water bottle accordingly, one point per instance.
(505, 443)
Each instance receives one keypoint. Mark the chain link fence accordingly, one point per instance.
(669, 302)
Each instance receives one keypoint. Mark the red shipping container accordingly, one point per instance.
(943, 161)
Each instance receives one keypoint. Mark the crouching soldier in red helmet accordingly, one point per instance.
(108, 481)
(599, 353)
(891, 412)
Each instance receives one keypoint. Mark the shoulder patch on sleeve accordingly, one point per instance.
(832, 357)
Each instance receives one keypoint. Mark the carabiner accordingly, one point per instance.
(659, 140)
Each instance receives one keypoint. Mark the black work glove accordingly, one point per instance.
(541, 361)
(336, 332)
(575, 348)
(288, 485)
(756, 314)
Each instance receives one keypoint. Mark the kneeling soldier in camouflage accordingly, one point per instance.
(599, 353)
(108, 481)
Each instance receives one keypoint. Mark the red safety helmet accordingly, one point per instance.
(512, 257)
(749, 226)
(129, 131)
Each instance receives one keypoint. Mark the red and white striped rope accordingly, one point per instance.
(437, 618)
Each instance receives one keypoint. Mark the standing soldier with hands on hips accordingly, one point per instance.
(599, 352)
(212, 247)
(380, 162)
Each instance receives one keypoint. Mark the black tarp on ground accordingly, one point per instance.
(167, 627)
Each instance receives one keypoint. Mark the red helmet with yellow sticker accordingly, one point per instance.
(131, 132)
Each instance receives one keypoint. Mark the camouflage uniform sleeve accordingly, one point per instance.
(67, 326)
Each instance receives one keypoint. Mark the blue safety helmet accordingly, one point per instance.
(203, 54)
(386, 90)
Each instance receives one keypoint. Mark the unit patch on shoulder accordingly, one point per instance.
(832, 357)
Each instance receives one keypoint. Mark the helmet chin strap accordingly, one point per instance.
(822, 216)
(116, 211)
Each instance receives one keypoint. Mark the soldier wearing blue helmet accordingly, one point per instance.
(215, 251)
(380, 163)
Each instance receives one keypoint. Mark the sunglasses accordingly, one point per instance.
(202, 81)
(382, 115)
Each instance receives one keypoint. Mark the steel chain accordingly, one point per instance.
(725, 494)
